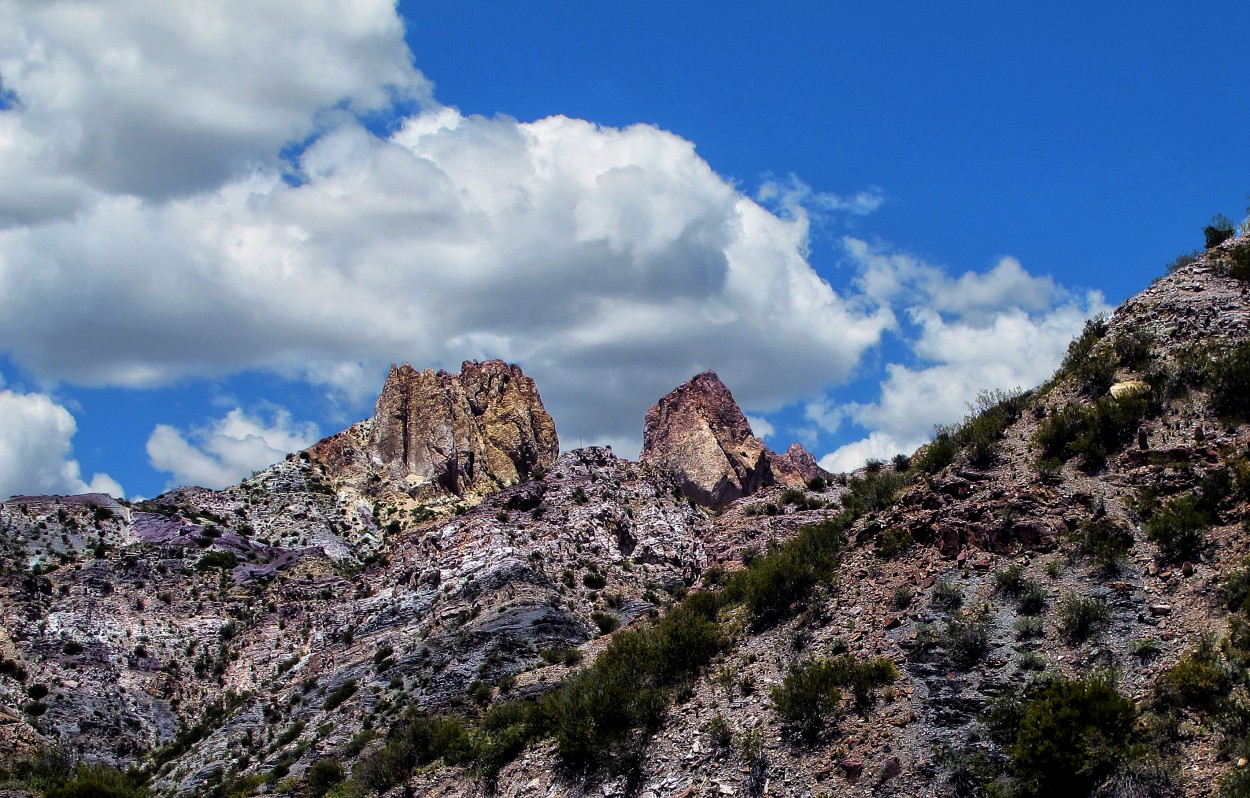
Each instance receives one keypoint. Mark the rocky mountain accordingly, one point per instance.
(1050, 598)
(698, 433)
(434, 434)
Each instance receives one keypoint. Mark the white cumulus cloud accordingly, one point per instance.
(36, 455)
(158, 99)
(228, 449)
(611, 263)
(1001, 329)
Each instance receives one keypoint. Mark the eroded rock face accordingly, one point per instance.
(796, 467)
(699, 433)
(437, 433)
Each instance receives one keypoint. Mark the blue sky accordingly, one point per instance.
(218, 227)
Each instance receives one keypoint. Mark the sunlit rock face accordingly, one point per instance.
(699, 433)
(465, 434)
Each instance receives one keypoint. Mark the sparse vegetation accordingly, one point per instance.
(811, 691)
(1080, 617)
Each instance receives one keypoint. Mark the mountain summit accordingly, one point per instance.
(434, 433)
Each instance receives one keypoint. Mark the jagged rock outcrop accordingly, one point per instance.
(699, 433)
(432, 433)
(796, 467)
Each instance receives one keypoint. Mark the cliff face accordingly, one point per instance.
(699, 433)
(433, 433)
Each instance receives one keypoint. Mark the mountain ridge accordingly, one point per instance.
(229, 641)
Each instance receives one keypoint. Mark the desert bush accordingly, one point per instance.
(1068, 735)
(785, 576)
(875, 491)
(902, 597)
(988, 418)
(938, 453)
(947, 596)
(811, 690)
(97, 781)
(1218, 231)
(323, 775)
(893, 542)
(344, 691)
(1133, 349)
(1228, 383)
(966, 638)
(1235, 587)
(1239, 261)
(606, 622)
(1183, 260)
(1179, 528)
(223, 560)
(1031, 599)
(1080, 618)
(1198, 680)
(1010, 579)
(1029, 627)
(594, 581)
(1092, 431)
(1105, 543)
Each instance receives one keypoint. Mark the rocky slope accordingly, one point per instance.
(454, 566)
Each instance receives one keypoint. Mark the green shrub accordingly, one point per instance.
(1133, 349)
(345, 691)
(1239, 261)
(893, 542)
(1181, 261)
(1198, 680)
(1218, 231)
(947, 596)
(938, 453)
(1031, 661)
(223, 560)
(1179, 528)
(595, 712)
(1104, 542)
(1029, 627)
(1093, 431)
(97, 781)
(1010, 579)
(810, 692)
(966, 638)
(1031, 599)
(902, 597)
(606, 622)
(873, 492)
(322, 775)
(594, 581)
(1235, 587)
(1071, 734)
(1080, 618)
(1228, 383)
(981, 430)
(782, 578)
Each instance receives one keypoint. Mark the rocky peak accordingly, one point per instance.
(438, 433)
(699, 433)
(796, 467)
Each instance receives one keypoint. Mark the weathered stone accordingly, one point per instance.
(437, 433)
(699, 433)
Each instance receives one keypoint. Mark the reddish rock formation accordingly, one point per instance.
(698, 433)
(797, 467)
(434, 432)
